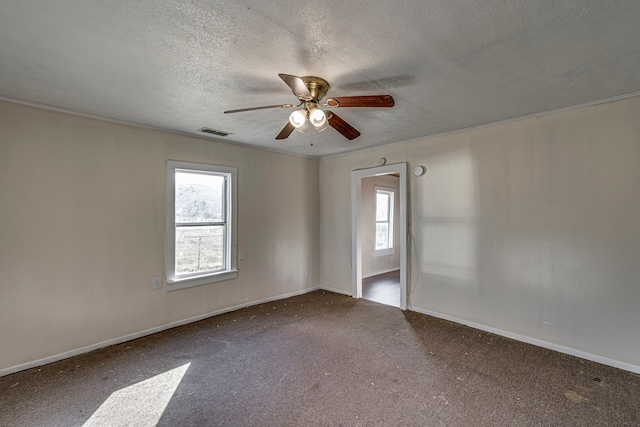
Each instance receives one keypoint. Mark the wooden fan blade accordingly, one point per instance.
(297, 86)
(341, 126)
(259, 108)
(361, 101)
(286, 131)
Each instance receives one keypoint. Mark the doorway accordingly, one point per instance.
(360, 240)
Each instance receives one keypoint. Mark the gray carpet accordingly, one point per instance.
(321, 359)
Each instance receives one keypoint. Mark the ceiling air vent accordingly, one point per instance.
(213, 132)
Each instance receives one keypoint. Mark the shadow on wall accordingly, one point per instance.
(556, 208)
(536, 235)
(445, 231)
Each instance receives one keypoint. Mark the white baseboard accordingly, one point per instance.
(135, 335)
(334, 290)
(540, 343)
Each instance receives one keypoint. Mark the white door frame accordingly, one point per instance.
(356, 243)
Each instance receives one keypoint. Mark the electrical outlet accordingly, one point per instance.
(157, 283)
(306, 275)
(287, 279)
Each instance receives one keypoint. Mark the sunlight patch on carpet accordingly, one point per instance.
(140, 404)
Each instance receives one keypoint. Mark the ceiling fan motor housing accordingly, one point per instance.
(317, 86)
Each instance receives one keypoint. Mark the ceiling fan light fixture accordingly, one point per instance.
(317, 117)
(323, 126)
(299, 120)
(304, 127)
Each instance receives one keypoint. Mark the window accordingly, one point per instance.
(201, 226)
(384, 221)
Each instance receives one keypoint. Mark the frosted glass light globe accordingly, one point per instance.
(299, 120)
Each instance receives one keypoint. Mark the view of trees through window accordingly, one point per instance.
(200, 222)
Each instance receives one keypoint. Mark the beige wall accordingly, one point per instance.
(82, 228)
(530, 228)
(372, 265)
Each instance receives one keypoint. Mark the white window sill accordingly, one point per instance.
(201, 280)
(383, 252)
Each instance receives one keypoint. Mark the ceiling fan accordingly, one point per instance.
(310, 90)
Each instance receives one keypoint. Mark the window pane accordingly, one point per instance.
(382, 206)
(199, 249)
(199, 197)
(382, 235)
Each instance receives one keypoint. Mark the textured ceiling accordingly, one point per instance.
(449, 65)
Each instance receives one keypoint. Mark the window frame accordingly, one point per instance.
(390, 250)
(230, 215)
